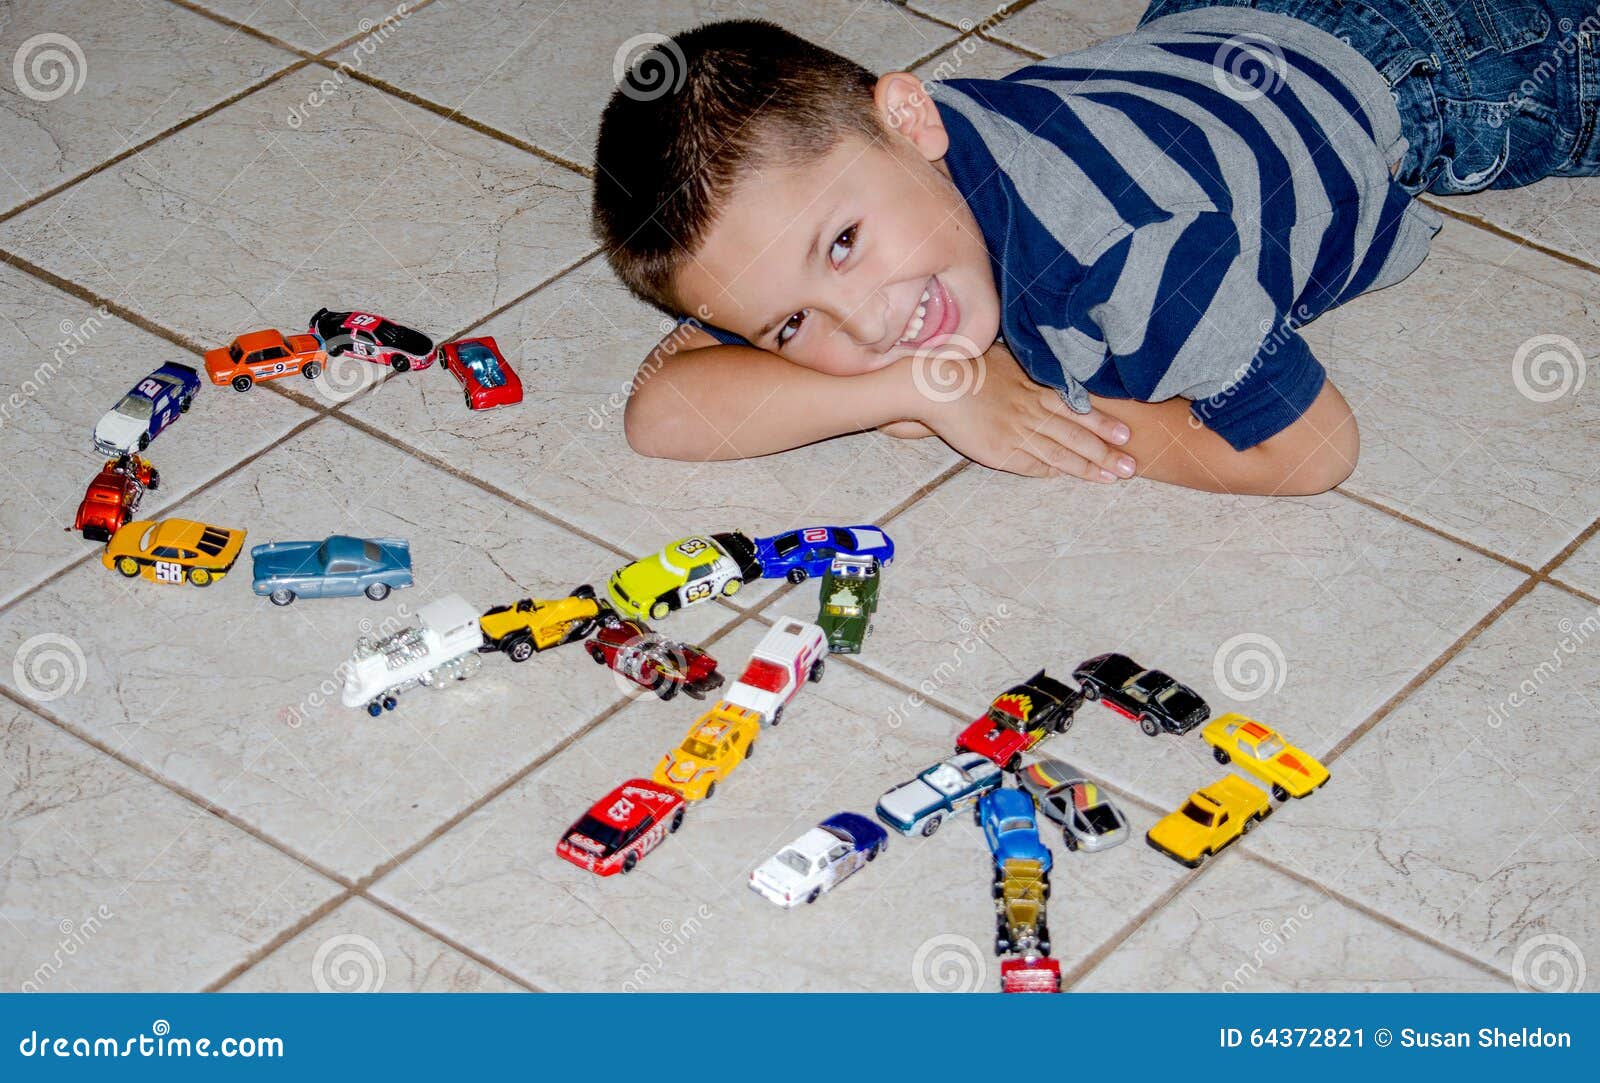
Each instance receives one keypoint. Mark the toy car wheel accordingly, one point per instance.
(711, 789)
(997, 889)
(96, 534)
(630, 861)
(1014, 764)
(242, 382)
(389, 703)
(400, 364)
(1279, 792)
(1044, 940)
(337, 351)
(659, 610)
(144, 440)
(1070, 840)
(183, 404)
(311, 370)
(596, 652)
(1250, 824)
(200, 577)
(666, 689)
(128, 566)
(816, 893)
(676, 822)
(520, 649)
(931, 825)
(1149, 726)
(467, 397)
(377, 591)
(374, 708)
(1220, 756)
(750, 752)
(281, 596)
(872, 854)
(797, 575)
(1001, 945)
(155, 481)
(777, 715)
(816, 669)
(731, 587)
(1090, 692)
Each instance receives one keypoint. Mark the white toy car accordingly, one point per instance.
(791, 652)
(944, 789)
(444, 644)
(819, 860)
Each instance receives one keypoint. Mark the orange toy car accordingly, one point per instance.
(265, 355)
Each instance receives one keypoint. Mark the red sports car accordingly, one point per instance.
(652, 661)
(486, 379)
(1019, 718)
(113, 496)
(622, 827)
(374, 338)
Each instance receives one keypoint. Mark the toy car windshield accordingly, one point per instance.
(606, 835)
(403, 338)
(1197, 814)
(1100, 819)
(945, 779)
(135, 406)
(795, 860)
(1003, 718)
(483, 365)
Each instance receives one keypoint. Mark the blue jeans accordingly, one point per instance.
(1491, 93)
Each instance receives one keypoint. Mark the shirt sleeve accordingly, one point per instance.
(1182, 312)
(727, 338)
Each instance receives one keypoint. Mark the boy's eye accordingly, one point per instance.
(842, 245)
(790, 327)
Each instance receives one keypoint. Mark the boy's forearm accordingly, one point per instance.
(735, 402)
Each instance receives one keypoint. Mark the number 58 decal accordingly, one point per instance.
(169, 572)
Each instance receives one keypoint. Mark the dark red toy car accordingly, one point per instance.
(1030, 975)
(113, 496)
(486, 379)
(652, 661)
(622, 827)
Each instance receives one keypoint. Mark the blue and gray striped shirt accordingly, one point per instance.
(1164, 209)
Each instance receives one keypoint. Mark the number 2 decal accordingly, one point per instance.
(148, 388)
(815, 534)
(169, 572)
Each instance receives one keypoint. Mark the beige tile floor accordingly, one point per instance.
(179, 809)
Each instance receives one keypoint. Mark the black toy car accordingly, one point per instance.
(1148, 696)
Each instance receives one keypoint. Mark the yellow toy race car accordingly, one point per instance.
(173, 550)
(534, 624)
(719, 740)
(689, 570)
(1262, 751)
(1211, 819)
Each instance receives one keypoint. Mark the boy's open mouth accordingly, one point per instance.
(936, 314)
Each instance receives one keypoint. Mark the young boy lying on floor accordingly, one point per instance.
(1096, 266)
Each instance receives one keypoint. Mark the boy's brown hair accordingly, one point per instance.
(695, 115)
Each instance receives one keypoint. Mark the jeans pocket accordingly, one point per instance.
(1477, 147)
(1506, 25)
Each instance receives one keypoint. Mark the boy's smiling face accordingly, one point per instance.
(852, 261)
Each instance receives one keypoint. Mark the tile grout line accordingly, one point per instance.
(1507, 235)
(261, 35)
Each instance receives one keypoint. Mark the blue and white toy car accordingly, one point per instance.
(1011, 829)
(152, 405)
(797, 554)
(336, 567)
(819, 860)
(942, 790)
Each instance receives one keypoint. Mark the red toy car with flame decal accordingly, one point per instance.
(113, 496)
(622, 827)
(1019, 718)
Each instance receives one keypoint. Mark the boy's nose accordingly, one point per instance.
(867, 321)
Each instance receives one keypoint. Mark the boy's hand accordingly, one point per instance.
(1003, 420)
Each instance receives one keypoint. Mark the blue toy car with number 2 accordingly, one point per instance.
(145, 411)
(797, 554)
(1011, 828)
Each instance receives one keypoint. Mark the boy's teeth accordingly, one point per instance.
(924, 295)
(914, 327)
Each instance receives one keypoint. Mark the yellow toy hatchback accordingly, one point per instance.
(535, 624)
(173, 551)
(719, 740)
(1262, 751)
(1211, 819)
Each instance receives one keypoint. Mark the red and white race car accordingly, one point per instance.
(622, 827)
(791, 652)
(650, 660)
(373, 338)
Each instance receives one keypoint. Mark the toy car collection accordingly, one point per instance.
(173, 551)
(622, 827)
(1019, 718)
(1148, 696)
(797, 554)
(819, 860)
(652, 661)
(338, 566)
(145, 412)
(689, 570)
(720, 740)
(264, 355)
(1011, 829)
(113, 496)
(1262, 751)
(372, 338)
(536, 624)
(486, 380)
(1212, 818)
(791, 653)
(945, 789)
(848, 599)
(1089, 821)
(443, 645)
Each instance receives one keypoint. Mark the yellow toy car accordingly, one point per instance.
(689, 570)
(719, 740)
(1262, 751)
(1211, 819)
(534, 624)
(173, 550)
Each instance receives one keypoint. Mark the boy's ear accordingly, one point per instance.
(905, 107)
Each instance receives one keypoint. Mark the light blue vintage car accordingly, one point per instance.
(336, 567)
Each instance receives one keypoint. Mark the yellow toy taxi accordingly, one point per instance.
(535, 624)
(1211, 819)
(720, 740)
(1262, 751)
(173, 551)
